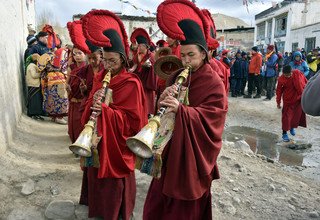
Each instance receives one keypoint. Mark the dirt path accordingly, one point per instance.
(250, 187)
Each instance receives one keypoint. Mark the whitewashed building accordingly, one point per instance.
(290, 24)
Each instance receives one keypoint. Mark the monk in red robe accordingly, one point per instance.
(109, 190)
(80, 77)
(74, 95)
(190, 157)
(175, 46)
(143, 66)
(290, 87)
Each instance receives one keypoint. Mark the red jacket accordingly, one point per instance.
(255, 64)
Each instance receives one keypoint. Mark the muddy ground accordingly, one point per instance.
(252, 186)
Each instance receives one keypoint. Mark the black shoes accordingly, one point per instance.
(257, 96)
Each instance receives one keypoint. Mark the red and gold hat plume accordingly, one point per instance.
(182, 20)
(77, 37)
(140, 36)
(212, 32)
(105, 29)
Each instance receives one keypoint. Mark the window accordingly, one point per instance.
(261, 29)
(310, 44)
(295, 46)
(269, 27)
(280, 46)
(281, 26)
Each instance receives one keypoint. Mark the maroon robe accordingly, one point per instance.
(189, 159)
(148, 79)
(75, 98)
(290, 90)
(218, 67)
(110, 190)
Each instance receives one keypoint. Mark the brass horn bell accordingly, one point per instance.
(82, 146)
(142, 143)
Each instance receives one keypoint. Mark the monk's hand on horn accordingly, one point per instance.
(171, 103)
(97, 101)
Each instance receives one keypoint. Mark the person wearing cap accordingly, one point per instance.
(245, 71)
(162, 43)
(310, 97)
(143, 66)
(189, 159)
(31, 41)
(236, 76)
(108, 185)
(271, 71)
(41, 47)
(299, 64)
(290, 87)
(254, 73)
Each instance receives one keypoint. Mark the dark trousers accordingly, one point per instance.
(236, 86)
(270, 86)
(254, 80)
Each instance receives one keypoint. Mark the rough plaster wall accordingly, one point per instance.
(13, 32)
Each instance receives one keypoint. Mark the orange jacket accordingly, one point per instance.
(255, 64)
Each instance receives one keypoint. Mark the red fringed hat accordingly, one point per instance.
(78, 39)
(212, 32)
(162, 43)
(140, 36)
(183, 21)
(103, 28)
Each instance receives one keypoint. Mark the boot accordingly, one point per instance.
(258, 96)
(247, 96)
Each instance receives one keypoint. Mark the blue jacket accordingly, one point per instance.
(244, 68)
(271, 66)
(303, 66)
(235, 71)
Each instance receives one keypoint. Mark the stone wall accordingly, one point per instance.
(15, 17)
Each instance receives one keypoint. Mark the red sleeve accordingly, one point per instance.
(258, 64)
(299, 82)
(119, 121)
(279, 90)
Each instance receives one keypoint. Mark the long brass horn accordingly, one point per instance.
(82, 146)
(142, 143)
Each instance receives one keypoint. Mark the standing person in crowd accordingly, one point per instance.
(313, 59)
(31, 41)
(190, 157)
(55, 97)
(245, 71)
(109, 187)
(299, 64)
(41, 47)
(75, 94)
(254, 78)
(310, 97)
(143, 66)
(35, 98)
(290, 87)
(236, 76)
(271, 71)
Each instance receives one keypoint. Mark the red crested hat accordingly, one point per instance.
(140, 36)
(162, 43)
(212, 32)
(183, 21)
(78, 39)
(103, 28)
